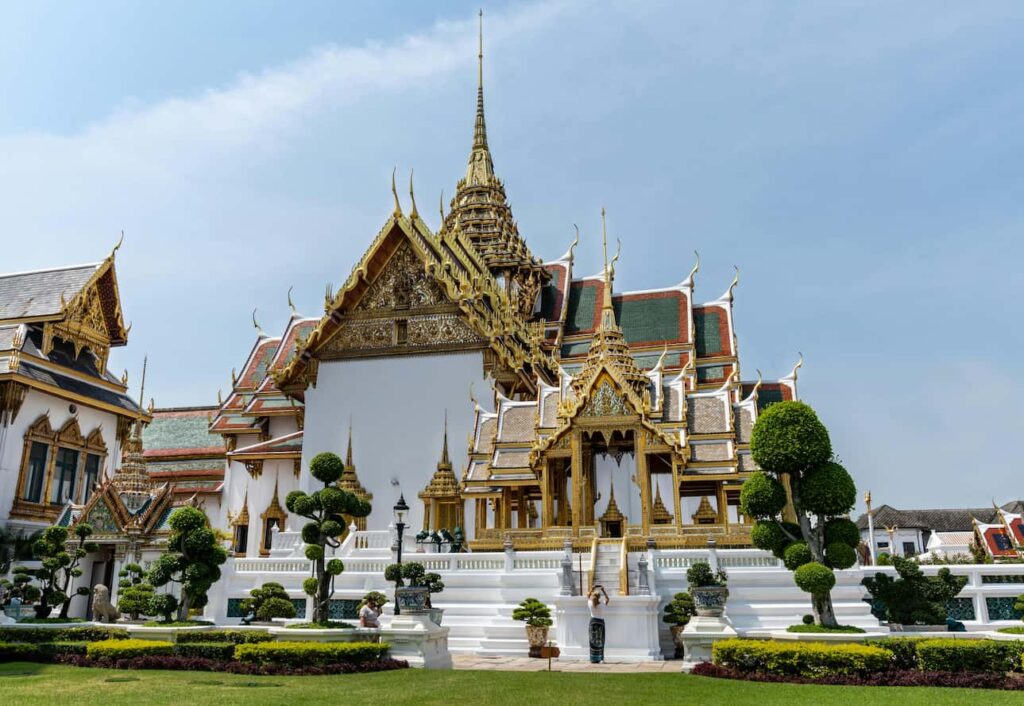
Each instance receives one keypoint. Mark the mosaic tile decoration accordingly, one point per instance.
(1001, 608)
(960, 609)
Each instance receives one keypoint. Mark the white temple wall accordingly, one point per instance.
(12, 441)
(397, 406)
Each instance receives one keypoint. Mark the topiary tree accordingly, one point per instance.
(534, 613)
(268, 602)
(793, 448)
(680, 609)
(134, 593)
(913, 598)
(22, 587)
(60, 559)
(325, 509)
(193, 559)
(163, 605)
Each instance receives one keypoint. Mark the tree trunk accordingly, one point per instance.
(823, 611)
(321, 607)
(184, 605)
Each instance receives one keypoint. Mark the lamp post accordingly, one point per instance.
(871, 528)
(400, 509)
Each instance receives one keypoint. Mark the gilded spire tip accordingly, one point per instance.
(394, 192)
(412, 196)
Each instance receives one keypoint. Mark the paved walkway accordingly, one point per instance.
(528, 664)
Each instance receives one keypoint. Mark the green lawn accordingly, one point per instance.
(27, 684)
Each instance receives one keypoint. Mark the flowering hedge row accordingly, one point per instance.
(800, 659)
(298, 654)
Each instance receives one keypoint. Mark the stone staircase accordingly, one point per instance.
(607, 565)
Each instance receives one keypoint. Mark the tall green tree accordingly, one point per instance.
(793, 449)
(193, 559)
(60, 559)
(914, 598)
(325, 509)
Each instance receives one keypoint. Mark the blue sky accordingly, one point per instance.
(859, 161)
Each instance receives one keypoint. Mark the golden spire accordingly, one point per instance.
(480, 168)
(348, 454)
(444, 451)
(607, 309)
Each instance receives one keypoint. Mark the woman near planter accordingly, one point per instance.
(597, 622)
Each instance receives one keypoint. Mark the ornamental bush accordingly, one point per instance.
(680, 609)
(904, 650)
(269, 601)
(700, 575)
(949, 655)
(816, 579)
(311, 653)
(24, 652)
(193, 559)
(205, 650)
(135, 593)
(326, 510)
(801, 659)
(162, 605)
(913, 598)
(41, 635)
(126, 649)
(233, 637)
(534, 613)
(796, 555)
(793, 449)
(60, 566)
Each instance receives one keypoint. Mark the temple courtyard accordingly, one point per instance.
(28, 684)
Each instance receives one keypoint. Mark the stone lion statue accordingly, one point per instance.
(102, 608)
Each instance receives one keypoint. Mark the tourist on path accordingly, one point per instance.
(597, 593)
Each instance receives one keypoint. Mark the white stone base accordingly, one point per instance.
(631, 629)
(698, 637)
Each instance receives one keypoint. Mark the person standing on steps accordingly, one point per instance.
(594, 600)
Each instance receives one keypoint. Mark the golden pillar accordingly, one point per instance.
(546, 504)
(677, 502)
(723, 505)
(640, 451)
(577, 485)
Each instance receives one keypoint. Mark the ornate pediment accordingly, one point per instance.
(606, 401)
(403, 284)
(91, 319)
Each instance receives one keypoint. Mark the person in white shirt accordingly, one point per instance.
(369, 614)
(594, 600)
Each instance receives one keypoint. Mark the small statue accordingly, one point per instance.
(101, 605)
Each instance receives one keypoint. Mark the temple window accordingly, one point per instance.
(38, 454)
(240, 543)
(66, 467)
(273, 516)
(92, 475)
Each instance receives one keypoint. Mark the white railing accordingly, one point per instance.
(376, 539)
(675, 559)
(283, 566)
(531, 563)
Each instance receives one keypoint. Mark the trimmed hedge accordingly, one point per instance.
(38, 652)
(205, 650)
(126, 649)
(199, 664)
(896, 677)
(949, 655)
(84, 634)
(801, 659)
(904, 650)
(234, 637)
(300, 654)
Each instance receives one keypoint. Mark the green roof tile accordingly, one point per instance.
(648, 319)
(582, 305)
(709, 339)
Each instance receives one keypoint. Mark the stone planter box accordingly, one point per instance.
(413, 599)
(710, 600)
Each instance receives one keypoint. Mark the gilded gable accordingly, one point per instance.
(403, 284)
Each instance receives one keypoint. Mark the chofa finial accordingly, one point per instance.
(117, 247)
(291, 304)
(394, 192)
(256, 324)
(415, 213)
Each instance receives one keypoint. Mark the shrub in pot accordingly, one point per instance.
(708, 589)
(537, 617)
(413, 588)
(677, 614)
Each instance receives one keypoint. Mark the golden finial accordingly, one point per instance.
(128, 329)
(256, 324)
(291, 304)
(348, 453)
(118, 246)
(867, 500)
(572, 248)
(234, 377)
(441, 205)
(124, 377)
(480, 53)
(152, 405)
(412, 197)
(444, 450)
(220, 398)
(799, 364)
(394, 192)
(328, 296)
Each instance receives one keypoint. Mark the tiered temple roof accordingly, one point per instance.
(181, 449)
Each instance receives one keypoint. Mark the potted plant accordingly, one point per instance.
(708, 589)
(413, 588)
(537, 617)
(677, 614)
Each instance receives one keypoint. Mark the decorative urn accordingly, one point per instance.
(709, 601)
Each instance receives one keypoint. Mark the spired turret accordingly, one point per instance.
(480, 211)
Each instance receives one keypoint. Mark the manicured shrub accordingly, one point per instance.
(126, 649)
(205, 650)
(914, 598)
(311, 653)
(234, 637)
(814, 578)
(60, 554)
(762, 495)
(193, 559)
(840, 556)
(680, 609)
(162, 605)
(270, 601)
(23, 652)
(842, 530)
(950, 655)
(807, 619)
(66, 648)
(700, 575)
(533, 612)
(789, 438)
(796, 555)
(904, 650)
(83, 634)
(802, 659)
